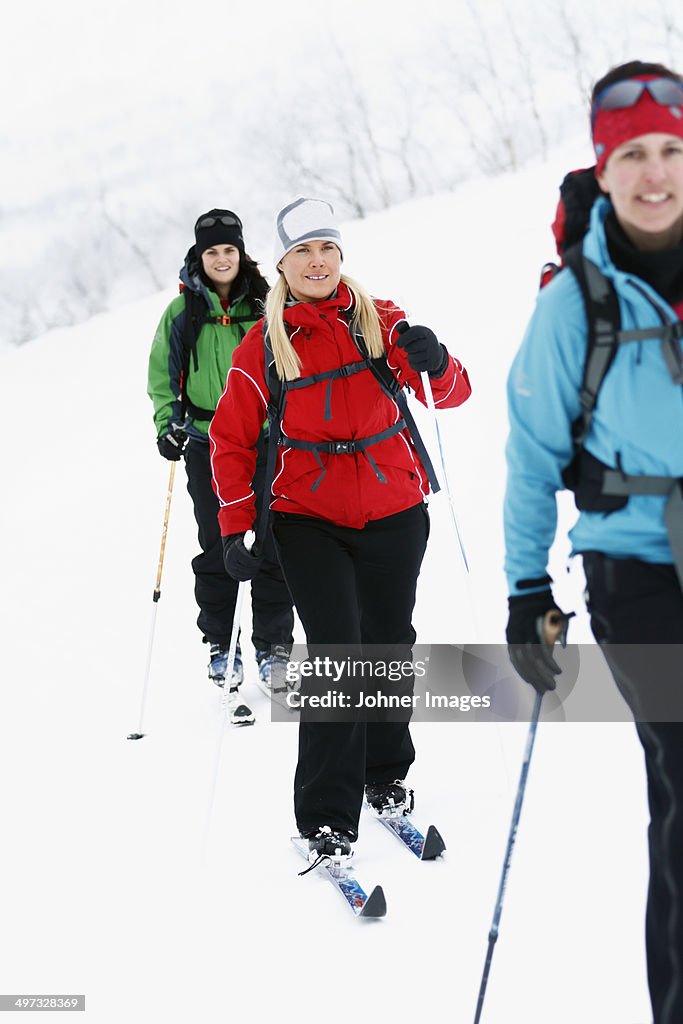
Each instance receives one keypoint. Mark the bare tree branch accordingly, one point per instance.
(133, 245)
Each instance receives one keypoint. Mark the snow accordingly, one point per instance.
(108, 887)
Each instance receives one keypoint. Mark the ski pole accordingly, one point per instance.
(234, 636)
(552, 630)
(429, 395)
(493, 934)
(249, 539)
(155, 598)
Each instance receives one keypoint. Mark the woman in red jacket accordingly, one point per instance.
(348, 497)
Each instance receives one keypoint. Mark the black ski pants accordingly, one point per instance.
(351, 587)
(638, 604)
(215, 590)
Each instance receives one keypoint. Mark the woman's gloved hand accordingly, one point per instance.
(240, 562)
(424, 350)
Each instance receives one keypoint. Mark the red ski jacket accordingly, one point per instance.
(350, 492)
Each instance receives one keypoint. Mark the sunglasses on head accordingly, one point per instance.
(230, 220)
(667, 92)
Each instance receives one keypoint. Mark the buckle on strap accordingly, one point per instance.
(342, 447)
(604, 332)
(349, 369)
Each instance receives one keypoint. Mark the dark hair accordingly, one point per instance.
(632, 69)
(251, 283)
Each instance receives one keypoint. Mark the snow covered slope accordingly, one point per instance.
(107, 888)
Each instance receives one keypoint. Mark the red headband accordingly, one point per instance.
(614, 127)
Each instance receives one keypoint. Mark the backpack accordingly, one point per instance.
(279, 388)
(585, 475)
(195, 318)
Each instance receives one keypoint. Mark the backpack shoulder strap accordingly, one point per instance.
(378, 365)
(193, 315)
(392, 388)
(276, 403)
(276, 392)
(604, 321)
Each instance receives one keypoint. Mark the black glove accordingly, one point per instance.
(527, 647)
(239, 563)
(423, 349)
(172, 445)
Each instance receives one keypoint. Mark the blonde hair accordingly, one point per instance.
(364, 317)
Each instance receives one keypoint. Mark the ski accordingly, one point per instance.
(279, 696)
(345, 882)
(240, 714)
(237, 711)
(427, 847)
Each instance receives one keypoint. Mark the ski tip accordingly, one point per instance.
(375, 905)
(135, 735)
(434, 845)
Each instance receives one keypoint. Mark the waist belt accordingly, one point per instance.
(669, 487)
(198, 413)
(357, 444)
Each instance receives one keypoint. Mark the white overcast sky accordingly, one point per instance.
(72, 66)
(109, 53)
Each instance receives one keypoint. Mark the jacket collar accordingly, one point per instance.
(301, 314)
(596, 248)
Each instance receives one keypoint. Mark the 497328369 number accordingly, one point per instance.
(42, 1002)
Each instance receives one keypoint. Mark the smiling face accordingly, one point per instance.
(644, 179)
(312, 270)
(221, 264)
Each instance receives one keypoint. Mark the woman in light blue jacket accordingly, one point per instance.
(628, 467)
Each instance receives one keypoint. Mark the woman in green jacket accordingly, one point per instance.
(222, 297)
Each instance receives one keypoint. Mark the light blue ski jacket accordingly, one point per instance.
(638, 417)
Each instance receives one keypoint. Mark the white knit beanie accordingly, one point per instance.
(304, 220)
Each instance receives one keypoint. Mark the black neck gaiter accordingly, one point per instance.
(663, 270)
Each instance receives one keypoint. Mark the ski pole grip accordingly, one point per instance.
(555, 628)
(401, 327)
(249, 539)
